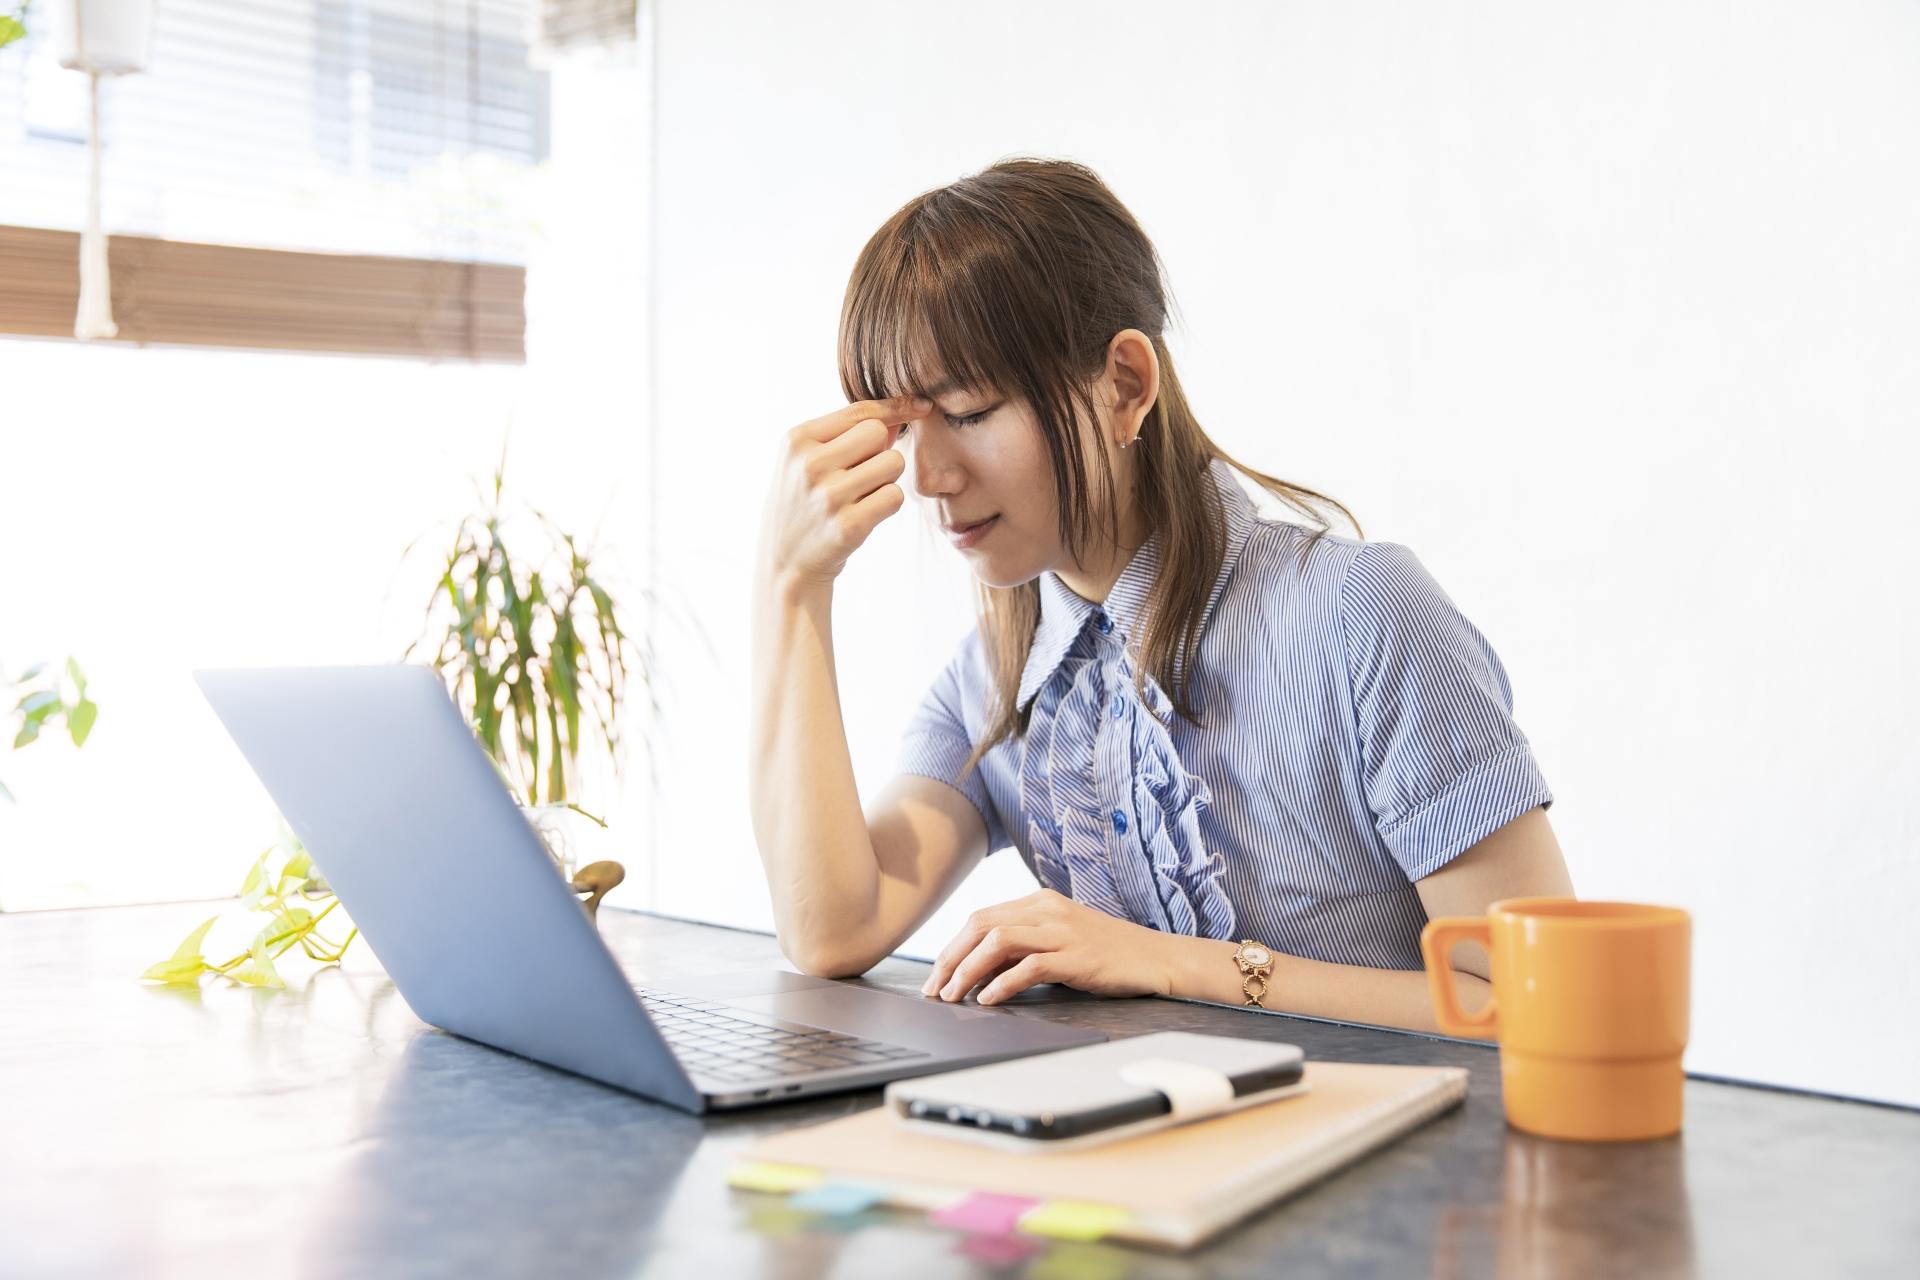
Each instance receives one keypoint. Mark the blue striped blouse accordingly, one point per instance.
(1357, 734)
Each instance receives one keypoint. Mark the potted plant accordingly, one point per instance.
(43, 695)
(535, 653)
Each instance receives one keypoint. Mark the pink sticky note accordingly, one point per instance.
(999, 1251)
(984, 1213)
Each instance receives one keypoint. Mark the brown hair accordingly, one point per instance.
(1016, 278)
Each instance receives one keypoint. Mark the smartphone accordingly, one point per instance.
(1099, 1093)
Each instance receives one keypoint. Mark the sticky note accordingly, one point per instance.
(1073, 1219)
(838, 1197)
(776, 1219)
(985, 1213)
(1077, 1260)
(1000, 1251)
(767, 1176)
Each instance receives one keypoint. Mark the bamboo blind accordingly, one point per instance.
(169, 291)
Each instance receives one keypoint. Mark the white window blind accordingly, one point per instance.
(410, 128)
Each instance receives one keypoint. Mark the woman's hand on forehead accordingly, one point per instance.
(891, 412)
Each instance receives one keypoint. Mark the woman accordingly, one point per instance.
(1216, 739)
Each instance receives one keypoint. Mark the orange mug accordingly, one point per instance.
(1590, 1007)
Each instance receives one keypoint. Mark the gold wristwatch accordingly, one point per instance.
(1256, 963)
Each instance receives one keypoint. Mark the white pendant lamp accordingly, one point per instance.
(101, 38)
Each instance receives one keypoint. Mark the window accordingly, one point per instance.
(405, 133)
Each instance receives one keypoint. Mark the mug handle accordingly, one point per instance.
(1437, 941)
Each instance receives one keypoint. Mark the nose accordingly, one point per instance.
(936, 473)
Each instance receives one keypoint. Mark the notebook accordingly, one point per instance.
(1175, 1188)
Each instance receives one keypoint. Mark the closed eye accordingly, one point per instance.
(960, 422)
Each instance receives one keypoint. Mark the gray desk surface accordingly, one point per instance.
(322, 1130)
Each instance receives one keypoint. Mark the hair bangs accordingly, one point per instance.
(913, 324)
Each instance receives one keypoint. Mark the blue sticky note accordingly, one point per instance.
(838, 1197)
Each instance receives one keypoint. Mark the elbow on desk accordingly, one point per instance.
(825, 957)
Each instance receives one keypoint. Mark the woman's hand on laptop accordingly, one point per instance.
(1048, 937)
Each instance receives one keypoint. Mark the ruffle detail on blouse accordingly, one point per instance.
(1157, 872)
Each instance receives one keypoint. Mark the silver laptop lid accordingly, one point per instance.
(414, 830)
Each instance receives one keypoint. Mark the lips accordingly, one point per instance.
(966, 535)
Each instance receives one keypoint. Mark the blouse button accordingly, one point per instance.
(1105, 623)
(1120, 822)
(1119, 705)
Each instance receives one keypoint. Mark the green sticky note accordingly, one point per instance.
(766, 1176)
(1072, 1219)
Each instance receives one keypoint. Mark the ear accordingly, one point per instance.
(1133, 375)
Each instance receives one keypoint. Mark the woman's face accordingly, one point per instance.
(979, 454)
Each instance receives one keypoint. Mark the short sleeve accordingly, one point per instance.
(936, 743)
(1442, 760)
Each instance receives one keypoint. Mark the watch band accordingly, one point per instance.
(1255, 960)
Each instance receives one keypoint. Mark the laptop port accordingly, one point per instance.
(792, 1088)
(761, 1093)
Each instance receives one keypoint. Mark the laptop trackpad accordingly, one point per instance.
(745, 982)
(873, 1015)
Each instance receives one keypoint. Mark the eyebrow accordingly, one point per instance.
(948, 386)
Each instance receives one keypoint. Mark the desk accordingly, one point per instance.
(324, 1131)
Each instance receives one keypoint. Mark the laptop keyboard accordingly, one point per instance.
(710, 1040)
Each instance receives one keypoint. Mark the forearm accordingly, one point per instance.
(807, 819)
(1203, 969)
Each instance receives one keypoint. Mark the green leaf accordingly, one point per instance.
(5, 794)
(80, 721)
(37, 704)
(28, 732)
(177, 970)
(294, 874)
(191, 947)
(284, 925)
(254, 888)
(556, 769)
(30, 673)
(186, 963)
(10, 30)
(258, 971)
(78, 677)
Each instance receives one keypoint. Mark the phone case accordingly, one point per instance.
(1099, 1093)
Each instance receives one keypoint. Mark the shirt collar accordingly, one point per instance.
(1064, 614)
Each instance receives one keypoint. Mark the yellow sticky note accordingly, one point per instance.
(1072, 1219)
(766, 1176)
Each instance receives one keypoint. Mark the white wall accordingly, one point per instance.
(1608, 311)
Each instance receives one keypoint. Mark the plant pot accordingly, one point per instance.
(564, 832)
(577, 844)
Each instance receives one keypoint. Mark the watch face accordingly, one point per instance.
(1255, 956)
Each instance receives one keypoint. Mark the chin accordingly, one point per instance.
(995, 576)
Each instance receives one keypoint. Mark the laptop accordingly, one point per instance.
(419, 838)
